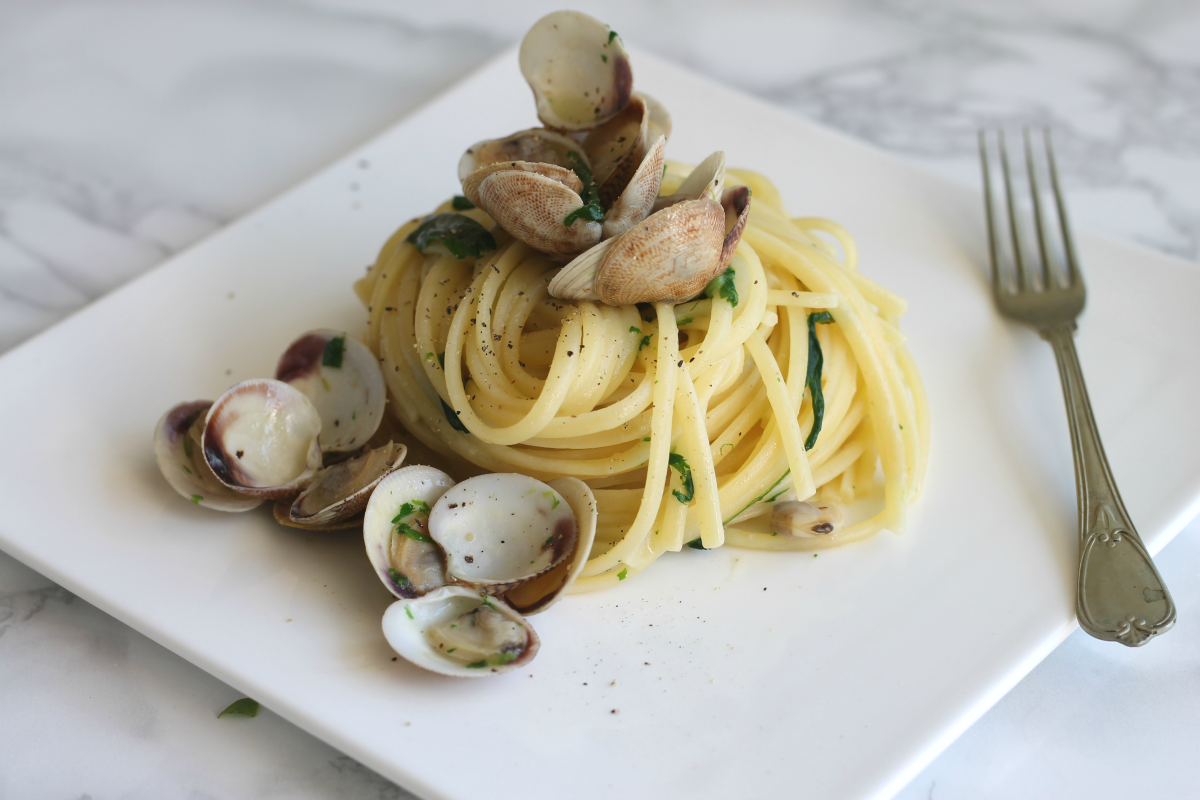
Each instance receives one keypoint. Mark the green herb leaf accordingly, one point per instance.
(196, 499)
(502, 659)
(488, 603)
(696, 544)
(408, 611)
(410, 508)
(623, 574)
(611, 35)
(460, 203)
(645, 342)
(813, 379)
(453, 419)
(685, 474)
(685, 321)
(477, 665)
(461, 237)
(413, 533)
(632, 329)
(335, 348)
(240, 708)
(591, 210)
(646, 439)
(552, 498)
(723, 287)
(604, 58)
(397, 578)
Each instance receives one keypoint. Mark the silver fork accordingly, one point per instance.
(1120, 594)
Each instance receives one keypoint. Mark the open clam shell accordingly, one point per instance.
(534, 146)
(261, 439)
(545, 590)
(616, 148)
(533, 208)
(406, 560)
(500, 530)
(659, 123)
(578, 70)
(563, 175)
(461, 632)
(640, 193)
(338, 494)
(178, 453)
(341, 376)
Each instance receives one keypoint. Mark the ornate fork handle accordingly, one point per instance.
(1121, 596)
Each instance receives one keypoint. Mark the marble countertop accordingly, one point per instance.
(131, 129)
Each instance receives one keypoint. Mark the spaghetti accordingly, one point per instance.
(687, 420)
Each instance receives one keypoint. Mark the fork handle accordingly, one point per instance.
(1121, 597)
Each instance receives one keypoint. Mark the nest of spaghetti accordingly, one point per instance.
(715, 370)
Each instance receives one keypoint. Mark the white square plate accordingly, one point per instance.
(714, 674)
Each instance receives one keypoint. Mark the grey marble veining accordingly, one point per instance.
(130, 130)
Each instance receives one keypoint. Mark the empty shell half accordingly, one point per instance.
(341, 376)
(500, 530)
(177, 450)
(261, 439)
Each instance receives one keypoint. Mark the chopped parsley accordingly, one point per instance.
(397, 578)
(632, 329)
(604, 58)
(196, 499)
(461, 237)
(240, 708)
(477, 665)
(453, 419)
(685, 476)
(335, 348)
(685, 321)
(410, 508)
(813, 379)
(723, 287)
(553, 500)
(611, 35)
(408, 611)
(696, 544)
(646, 439)
(591, 210)
(460, 203)
(488, 603)
(645, 342)
(623, 574)
(412, 533)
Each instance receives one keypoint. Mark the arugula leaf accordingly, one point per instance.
(813, 380)
(591, 210)
(460, 236)
(685, 474)
(723, 287)
(335, 348)
(240, 708)
(453, 419)
(460, 203)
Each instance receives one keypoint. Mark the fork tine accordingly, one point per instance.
(993, 241)
(1074, 275)
(1035, 190)
(1018, 251)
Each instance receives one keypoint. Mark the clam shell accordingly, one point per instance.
(668, 257)
(346, 387)
(535, 145)
(545, 590)
(567, 177)
(578, 70)
(338, 494)
(406, 622)
(499, 530)
(533, 207)
(261, 439)
(616, 148)
(659, 123)
(406, 485)
(178, 454)
(638, 197)
(736, 202)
